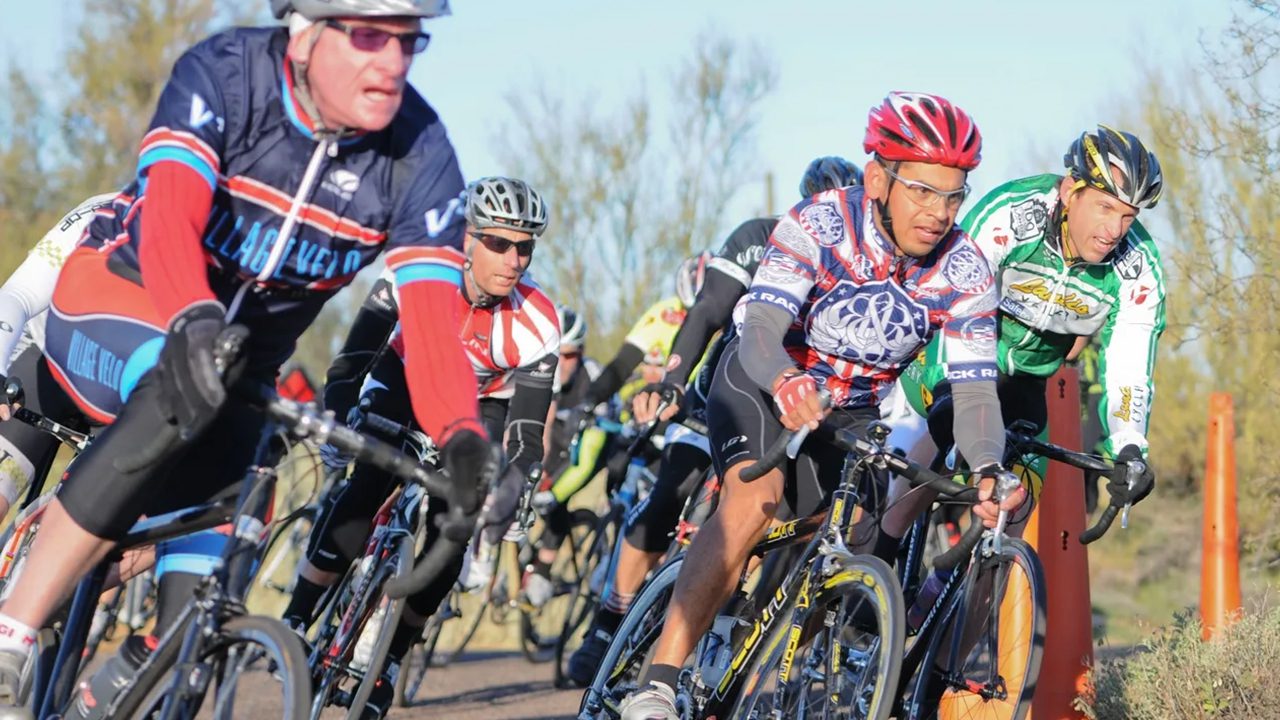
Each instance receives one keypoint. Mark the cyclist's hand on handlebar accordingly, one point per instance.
(796, 395)
(471, 462)
(645, 405)
(1121, 493)
(544, 502)
(11, 399)
(987, 509)
(193, 383)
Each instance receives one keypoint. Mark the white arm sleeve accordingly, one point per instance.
(28, 291)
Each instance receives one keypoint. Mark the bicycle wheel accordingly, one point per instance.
(987, 664)
(256, 668)
(841, 654)
(584, 597)
(418, 661)
(277, 573)
(629, 653)
(390, 611)
(540, 627)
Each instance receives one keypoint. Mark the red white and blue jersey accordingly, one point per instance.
(228, 113)
(520, 333)
(861, 313)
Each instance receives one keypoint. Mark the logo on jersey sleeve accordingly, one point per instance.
(824, 222)
(201, 115)
(979, 336)
(779, 269)
(1029, 218)
(791, 238)
(438, 219)
(966, 271)
(1129, 265)
(876, 323)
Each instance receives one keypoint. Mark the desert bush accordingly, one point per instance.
(1178, 675)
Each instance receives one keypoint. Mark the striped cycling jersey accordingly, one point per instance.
(519, 332)
(859, 312)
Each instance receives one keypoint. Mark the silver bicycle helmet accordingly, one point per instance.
(1136, 178)
(322, 9)
(573, 328)
(505, 203)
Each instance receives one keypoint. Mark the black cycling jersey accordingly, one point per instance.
(735, 262)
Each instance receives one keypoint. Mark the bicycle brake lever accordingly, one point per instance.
(1133, 470)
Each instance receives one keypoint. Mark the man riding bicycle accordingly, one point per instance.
(686, 455)
(1072, 261)
(278, 163)
(854, 282)
(512, 339)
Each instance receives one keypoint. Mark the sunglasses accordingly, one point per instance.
(371, 39)
(926, 195)
(500, 245)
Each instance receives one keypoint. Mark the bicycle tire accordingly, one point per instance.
(861, 593)
(277, 571)
(541, 627)
(583, 599)
(1021, 616)
(390, 621)
(418, 661)
(628, 653)
(284, 657)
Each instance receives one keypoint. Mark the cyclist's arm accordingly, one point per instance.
(778, 290)
(969, 351)
(615, 374)
(425, 256)
(527, 413)
(712, 311)
(178, 168)
(368, 335)
(1128, 355)
(589, 462)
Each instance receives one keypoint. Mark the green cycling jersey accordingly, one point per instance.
(1046, 302)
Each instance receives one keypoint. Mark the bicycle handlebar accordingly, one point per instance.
(444, 550)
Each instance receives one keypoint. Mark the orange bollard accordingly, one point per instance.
(1054, 531)
(1220, 555)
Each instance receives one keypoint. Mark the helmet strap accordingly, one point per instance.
(882, 206)
(301, 86)
(481, 298)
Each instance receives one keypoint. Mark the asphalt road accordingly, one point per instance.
(493, 684)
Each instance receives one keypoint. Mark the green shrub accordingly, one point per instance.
(1176, 675)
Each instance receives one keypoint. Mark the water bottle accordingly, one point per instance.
(714, 659)
(924, 601)
(631, 483)
(94, 696)
(368, 638)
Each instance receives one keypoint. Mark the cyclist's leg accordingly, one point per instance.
(27, 454)
(684, 463)
(743, 425)
(342, 527)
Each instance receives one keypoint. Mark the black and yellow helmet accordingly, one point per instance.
(1136, 180)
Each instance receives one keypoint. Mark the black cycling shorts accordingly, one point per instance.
(744, 425)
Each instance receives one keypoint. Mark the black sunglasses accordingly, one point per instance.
(500, 245)
(372, 39)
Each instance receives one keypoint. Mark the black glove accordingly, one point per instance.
(471, 462)
(1119, 488)
(192, 385)
(505, 498)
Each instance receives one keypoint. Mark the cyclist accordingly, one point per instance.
(1073, 261)
(575, 375)
(512, 336)
(218, 226)
(686, 456)
(645, 347)
(853, 283)
(26, 454)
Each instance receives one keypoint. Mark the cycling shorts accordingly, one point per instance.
(103, 334)
(744, 425)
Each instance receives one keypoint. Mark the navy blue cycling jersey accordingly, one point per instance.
(228, 113)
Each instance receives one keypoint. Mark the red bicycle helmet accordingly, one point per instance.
(917, 127)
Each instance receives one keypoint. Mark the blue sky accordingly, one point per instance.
(1033, 74)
